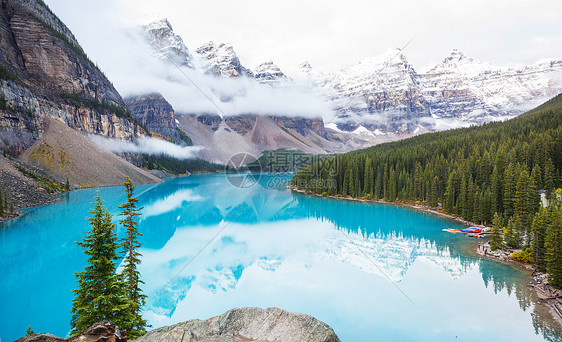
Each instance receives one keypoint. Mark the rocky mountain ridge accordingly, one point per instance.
(248, 132)
(386, 95)
(386, 92)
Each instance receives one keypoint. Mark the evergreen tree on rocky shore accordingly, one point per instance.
(131, 274)
(99, 293)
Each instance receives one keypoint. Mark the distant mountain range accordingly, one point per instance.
(386, 92)
(385, 95)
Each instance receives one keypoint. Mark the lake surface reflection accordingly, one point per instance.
(371, 271)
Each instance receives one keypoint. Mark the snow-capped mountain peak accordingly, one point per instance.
(268, 72)
(166, 44)
(456, 55)
(305, 68)
(221, 60)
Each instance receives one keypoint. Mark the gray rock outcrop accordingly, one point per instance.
(247, 324)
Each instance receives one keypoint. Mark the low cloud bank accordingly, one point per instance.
(147, 146)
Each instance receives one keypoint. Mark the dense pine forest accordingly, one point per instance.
(492, 174)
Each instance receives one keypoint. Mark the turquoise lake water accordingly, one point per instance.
(371, 271)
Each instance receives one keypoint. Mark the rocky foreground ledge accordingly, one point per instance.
(236, 325)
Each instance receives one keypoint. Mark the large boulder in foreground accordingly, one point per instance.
(247, 324)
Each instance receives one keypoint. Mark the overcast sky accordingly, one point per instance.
(332, 34)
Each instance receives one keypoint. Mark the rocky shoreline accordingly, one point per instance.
(419, 207)
(547, 295)
(22, 191)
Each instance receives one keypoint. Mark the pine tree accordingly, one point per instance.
(520, 202)
(449, 203)
(496, 190)
(99, 294)
(549, 177)
(462, 207)
(509, 190)
(351, 178)
(1, 205)
(496, 236)
(533, 196)
(512, 235)
(368, 181)
(476, 207)
(131, 274)
(539, 235)
(378, 186)
(554, 248)
(391, 185)
(434, 194)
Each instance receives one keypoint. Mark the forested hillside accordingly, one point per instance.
(471, 172)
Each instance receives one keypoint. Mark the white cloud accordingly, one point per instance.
(170, 203)
(331, 33)
(148, 146)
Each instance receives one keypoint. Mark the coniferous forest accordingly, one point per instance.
(492, 174)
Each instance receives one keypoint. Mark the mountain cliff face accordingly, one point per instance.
(45, 73)
(68, 156)
(51, 95)
(157, 114)
(39, 49)
(223, 137)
